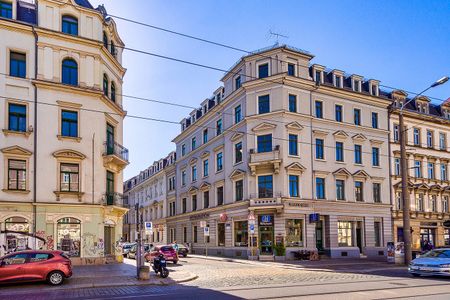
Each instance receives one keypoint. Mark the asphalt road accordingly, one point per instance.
(241, 280)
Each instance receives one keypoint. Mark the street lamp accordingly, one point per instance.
(404, 172)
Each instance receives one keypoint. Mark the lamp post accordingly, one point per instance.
(404, 171)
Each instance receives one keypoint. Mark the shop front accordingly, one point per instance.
(266, 234)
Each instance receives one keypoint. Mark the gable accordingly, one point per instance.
(264, 126)
(294, 126)
(342, 172)
(340, 134)
(295, 167)
(16, 150)
(361, 174)
(359, 137)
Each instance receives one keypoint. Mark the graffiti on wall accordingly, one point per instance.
(12, 241)
(50, 242)
(92, 245)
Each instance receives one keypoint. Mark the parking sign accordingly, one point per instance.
(148, 226)
(206, 231)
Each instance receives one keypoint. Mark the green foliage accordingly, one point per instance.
(280, 249)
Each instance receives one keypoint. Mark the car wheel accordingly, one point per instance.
(55, 278)
(415, 275)
(185, 255)
(175, 262)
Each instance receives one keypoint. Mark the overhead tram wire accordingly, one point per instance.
(177, 123)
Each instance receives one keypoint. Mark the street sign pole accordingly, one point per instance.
(251, 222)
(138, 245)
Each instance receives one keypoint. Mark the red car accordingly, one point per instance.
(34, 265)
(168, 251)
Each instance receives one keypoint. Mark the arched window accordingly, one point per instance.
(113, 92)
(69, 236)
(70, 25)
(105, 40)
(69, 72)
(105, 85)
(113, 49)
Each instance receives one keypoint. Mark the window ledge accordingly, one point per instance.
(360, 165)
(16, 191)
(58, 194)
(320, 159)
(69, 138)
(340, 162)
(7, 132)
(218, 172)
(294, 156)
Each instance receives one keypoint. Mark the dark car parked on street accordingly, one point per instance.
(182, 250)
(29, 266)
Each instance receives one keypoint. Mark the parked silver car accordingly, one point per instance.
(126, 248)
(434, 262)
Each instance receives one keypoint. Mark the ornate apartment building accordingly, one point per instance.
(427, 126)
(61, 117)
(151, 190)
(299, 147)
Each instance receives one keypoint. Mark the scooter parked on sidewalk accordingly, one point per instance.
(160, 266)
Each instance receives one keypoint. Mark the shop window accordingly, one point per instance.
(345, 234)
(446, 236)
(16, 228)
(240, 234)
(221, 234)
(69, 236)
(185, 235)
(294, 233)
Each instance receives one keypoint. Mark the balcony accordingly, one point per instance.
(115, 156)
(266, 201)
(265, 160)
(115, 199)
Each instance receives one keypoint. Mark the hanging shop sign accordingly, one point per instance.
(314, 218)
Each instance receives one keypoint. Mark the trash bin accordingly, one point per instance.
(144, 273)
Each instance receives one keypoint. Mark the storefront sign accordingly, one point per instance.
(314, 218)
(431, 224)
(296, 204)
(199, 217)
(266, 220)
(223, 217)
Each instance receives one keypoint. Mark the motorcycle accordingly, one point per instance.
(160, 266)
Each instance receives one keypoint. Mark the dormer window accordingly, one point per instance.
(105, 40)
(374, 90)
(183, 126)
(318, 76)
(237, 82)
(263, 71)
(205, 109)
(356, 85)
(113, 49)
(6, 10)
(70, 25)
(291, 69)
(218, 98)
(337, 81)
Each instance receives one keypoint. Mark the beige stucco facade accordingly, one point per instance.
(65, 202)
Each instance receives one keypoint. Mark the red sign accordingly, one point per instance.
(223, 217)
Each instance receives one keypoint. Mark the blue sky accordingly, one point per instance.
(403, 44)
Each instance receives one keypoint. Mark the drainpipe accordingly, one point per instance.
(93, 158)
(390, 175)
(312, 153)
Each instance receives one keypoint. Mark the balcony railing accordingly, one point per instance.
(266, 199)
(113, 198)
(117, 150)
(265, 158)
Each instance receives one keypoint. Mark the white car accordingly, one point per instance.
(434, 262)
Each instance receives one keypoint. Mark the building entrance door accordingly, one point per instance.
(266, 236)
(319, 236)
(108, 240)
(359, 236)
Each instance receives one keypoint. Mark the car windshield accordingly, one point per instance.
(128, 246)
(437, 253)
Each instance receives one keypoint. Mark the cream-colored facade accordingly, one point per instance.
(265, 144)
(428, 128)
(62, 128)
(151, 191)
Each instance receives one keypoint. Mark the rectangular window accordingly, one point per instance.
(319, 109)
(17, 117)
(69, 123)
(430, 142)
(377, 228)
(419, 202)
(17, 171)
(356, 85)
(293, 144)
(292, 103)
(238, 152)
(219, 162)
(445, 204)
(359, 191)
(263, 71)
(397, 166)
(183, 177)
(221, 234)
(416, 136)
(194, 202)
(239, 190)
(183, 150)
(69, 174)
(340, 189)
(338, 112)
(374, 120)
(184, 234)
(291, 69)
(294, 186)
(418, 169)
(205, 136)
(193, 143)
(358, 154)
(184, 205)
(264, 143)
(345, 234)
(17, 65)
(318, 76)
(237, 82)
(319, 149)
(6, 10)
(375, 156)
(357, 116)
(376, 192)
(396, 133)
(337, 81)
(320, 188)
(219, 127)
(195, 234)
(442, 141)
(294, 233)
(194, 173)
(237, 114)
(433, 204)
(265, 186)
(220, 195)
(430, 170)
(206, 199)
(205, 168)
(263, 104)
(240, 234)
(444, 172)
(339, 151)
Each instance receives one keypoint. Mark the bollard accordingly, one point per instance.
(144, 273)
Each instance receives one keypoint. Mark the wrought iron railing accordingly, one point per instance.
(113, 148)
(116, 199)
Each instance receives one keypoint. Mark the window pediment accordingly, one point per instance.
(205, 186)
(16, 150)
(436, 187)
(376, 142)
(193, 160)
(264, 126)
(342, 172)
(69, 154)
(320, 132)
(192, 189)
(294, 126)
(295, 166)
(361, 174)
(236, 136)
(399, 95)
(359, 137)
(205, 154)
(340, 134)
(421, 186)
(398, 185)
(237, 173)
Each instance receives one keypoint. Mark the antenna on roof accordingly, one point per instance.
(277, 36)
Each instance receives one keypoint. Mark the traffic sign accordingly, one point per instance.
(148, 226)
(202, 224)
(206, 231)
(252, 228)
